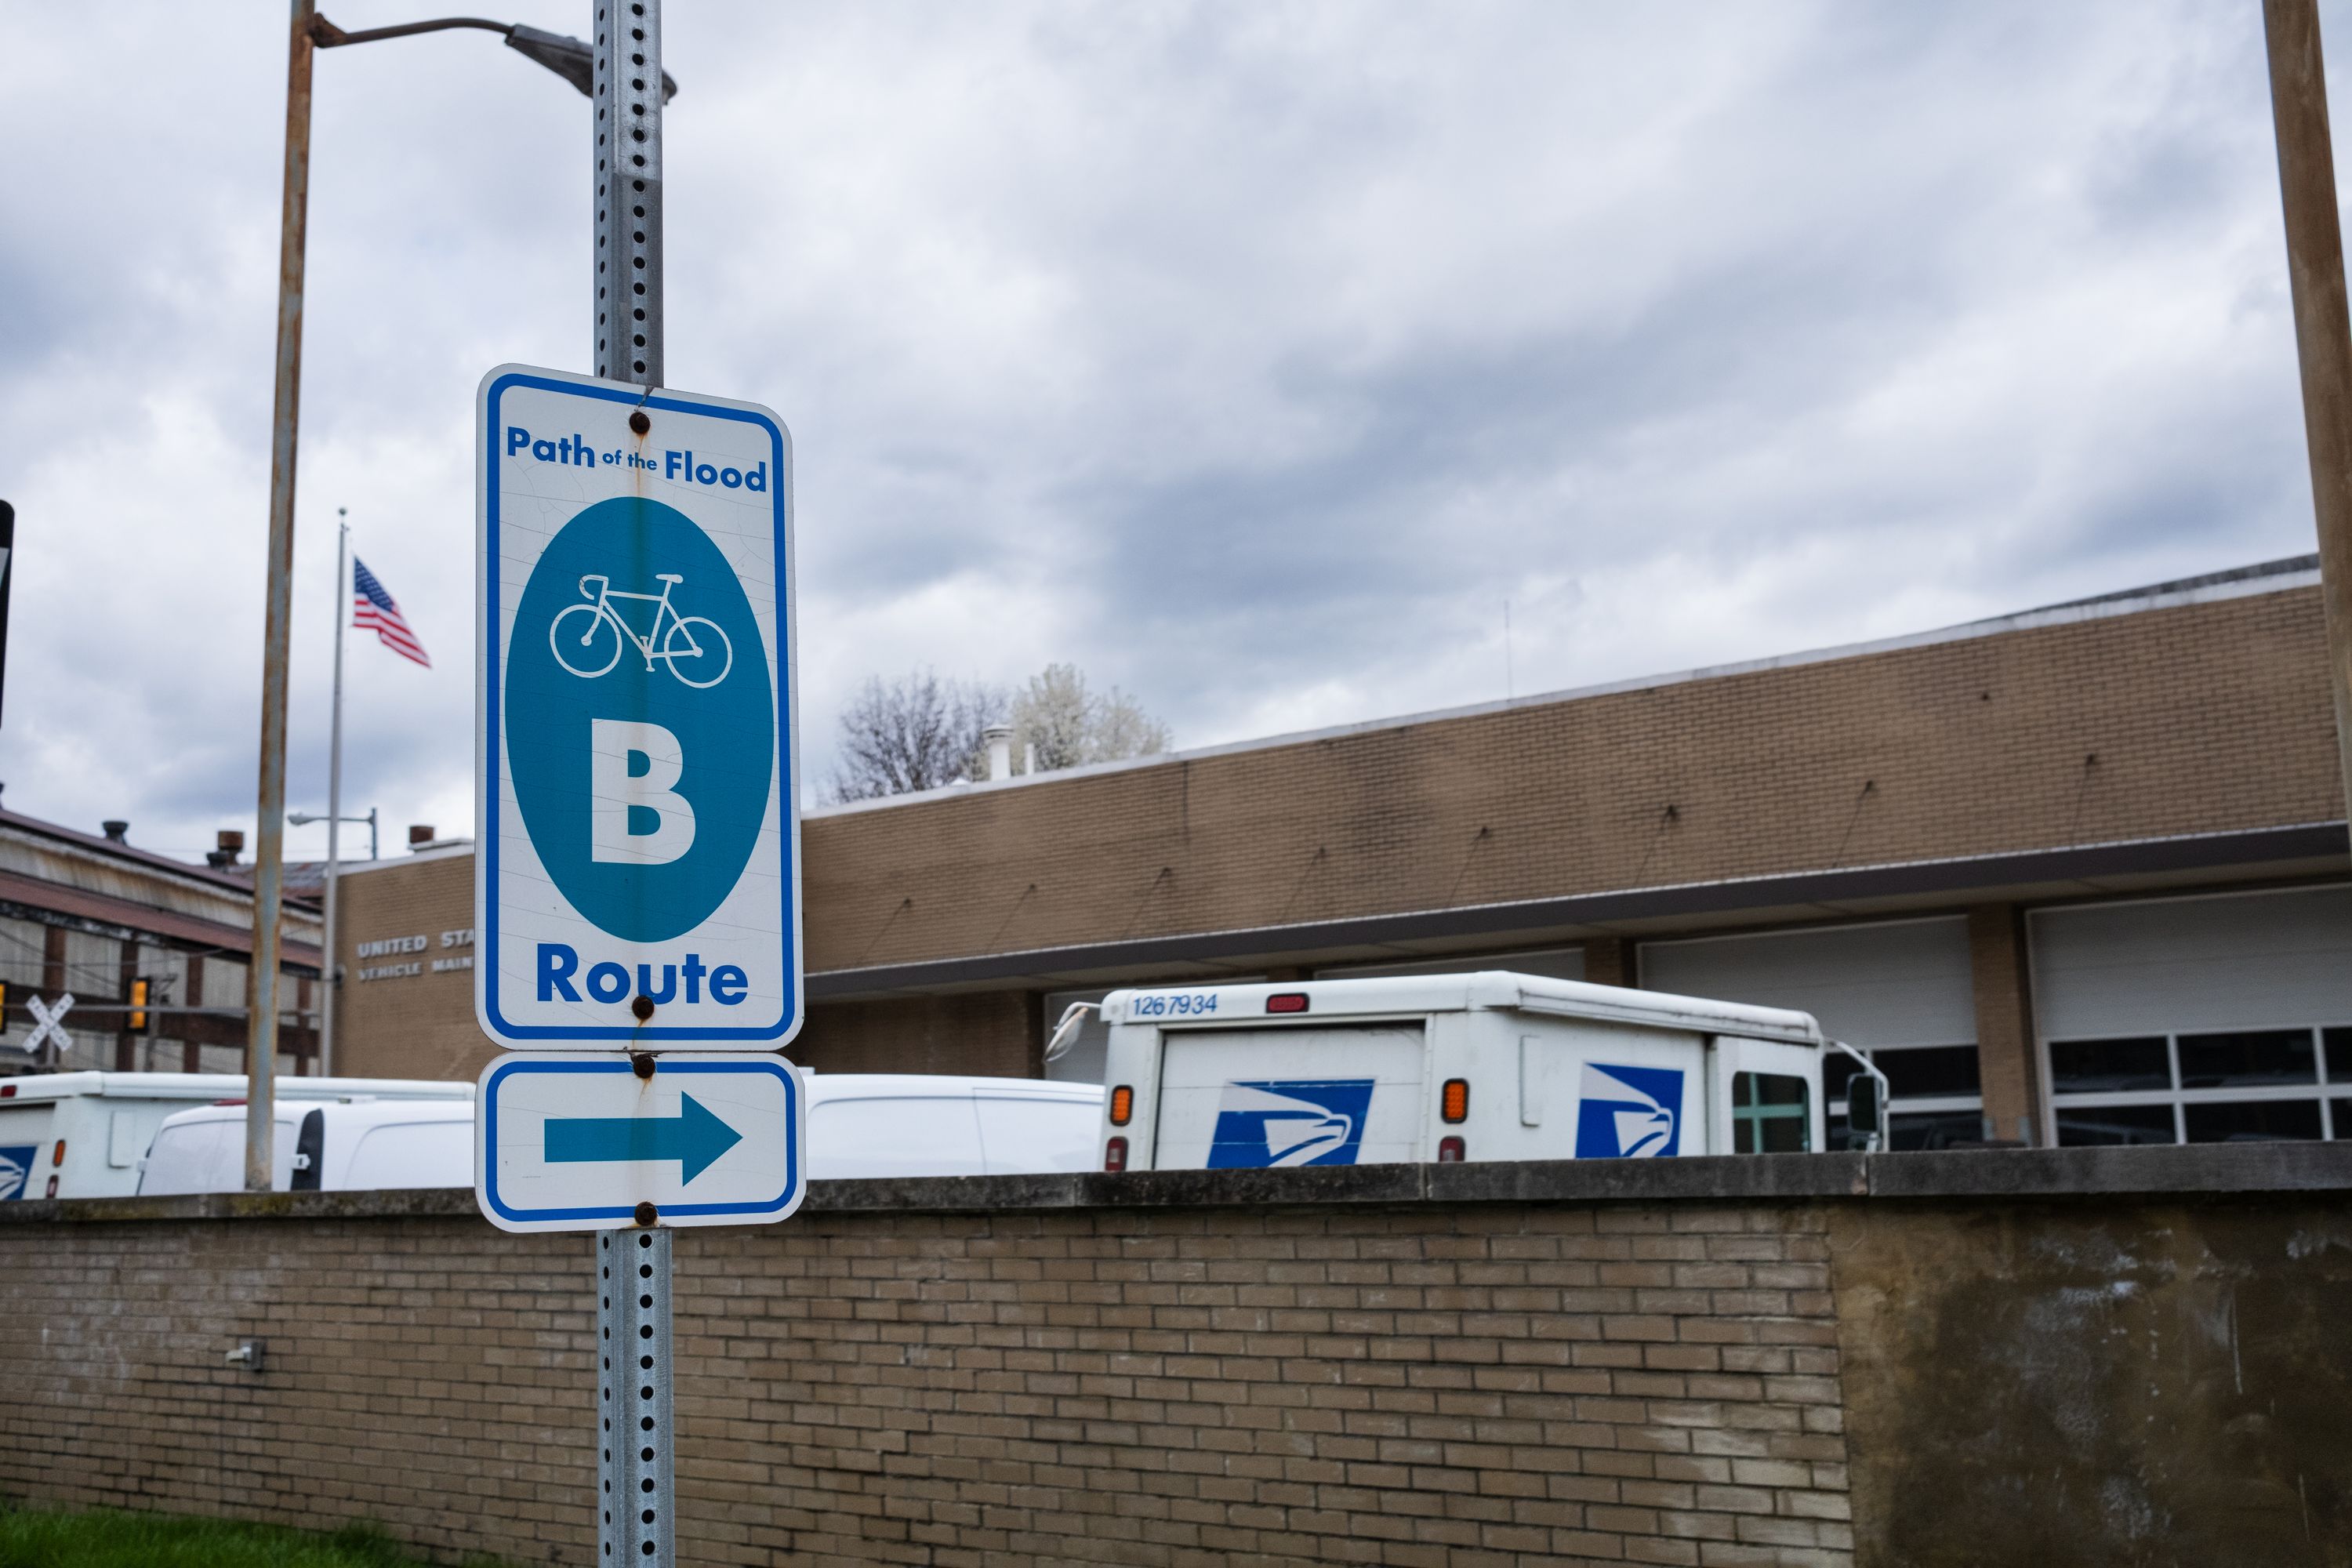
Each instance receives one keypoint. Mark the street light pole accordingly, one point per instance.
(637, 1442)
(263, 981)
(2323, 325)
(568, 58)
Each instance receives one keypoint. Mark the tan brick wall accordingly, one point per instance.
(996, 1034)
(418, 1025)
(2009, 1059)
(1433, 1386)
(2202, 718)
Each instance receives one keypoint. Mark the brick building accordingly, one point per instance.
(2076, 875)
(92, 916)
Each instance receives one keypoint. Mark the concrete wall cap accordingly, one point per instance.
(2219, 1170)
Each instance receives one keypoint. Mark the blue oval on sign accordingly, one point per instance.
(641, 725)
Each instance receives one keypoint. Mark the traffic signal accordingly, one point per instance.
(138, 1005)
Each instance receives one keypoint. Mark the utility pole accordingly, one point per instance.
(2323, 326)
(262, 978)
(634, 1468)
(331, 972)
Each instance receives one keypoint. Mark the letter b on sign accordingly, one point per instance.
(640, 719)
(638, 817)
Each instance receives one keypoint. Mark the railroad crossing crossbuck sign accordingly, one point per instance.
(638, 884)
(48, 1024)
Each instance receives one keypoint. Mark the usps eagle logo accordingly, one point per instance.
(1629, 1113)
(1315, 1121)
(15, 1168)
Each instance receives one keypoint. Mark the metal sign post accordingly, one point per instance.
(633, 1467)
(637, 875)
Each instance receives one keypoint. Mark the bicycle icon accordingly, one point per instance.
(676, 632)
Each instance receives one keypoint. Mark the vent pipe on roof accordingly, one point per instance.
(1000, 749)
(116, 830)
(232, 844)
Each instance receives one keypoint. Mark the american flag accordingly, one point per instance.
(371, 607)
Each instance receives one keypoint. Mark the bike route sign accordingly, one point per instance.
(637, 866)
(576, 1142)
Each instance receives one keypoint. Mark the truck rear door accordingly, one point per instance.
(1322, 1094)
(23, 1148)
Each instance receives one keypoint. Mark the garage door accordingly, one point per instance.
(1899, 991)
(2218, 1019)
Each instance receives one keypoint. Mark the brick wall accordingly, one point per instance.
(1284, 1386)
(419, 1025)
(2202, 718)
(2106, 1358)
(997, 1034)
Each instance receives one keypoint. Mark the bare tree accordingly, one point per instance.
(1069, 725)
(915, 732)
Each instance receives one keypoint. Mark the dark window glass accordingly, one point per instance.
(1937, 1069)
(2079, 1125)
(1835, 1070)
(1770, 1114)
(2339, 1056)
(1939, 1130)
(2098, 1066)
(2342, 1114)
(2238, 1062)
(2253, 1121)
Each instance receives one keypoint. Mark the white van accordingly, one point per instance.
(860, 1124)
(335, 1146)
(1420, 1067)
(923, 1124)
(80, 1134)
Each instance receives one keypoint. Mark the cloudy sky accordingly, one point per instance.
(1250, 356)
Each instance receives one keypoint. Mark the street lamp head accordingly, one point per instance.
(569, 59)
(566, 56)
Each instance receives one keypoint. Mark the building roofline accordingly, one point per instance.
(464, 847)
(2238, 583)
(147, 860)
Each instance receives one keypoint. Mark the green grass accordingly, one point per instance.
(29, 1538)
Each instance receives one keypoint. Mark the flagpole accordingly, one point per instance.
(329, 968)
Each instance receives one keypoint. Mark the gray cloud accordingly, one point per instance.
(1249, 357)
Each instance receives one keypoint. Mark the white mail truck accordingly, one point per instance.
(82, 1135)
(1442, 1067)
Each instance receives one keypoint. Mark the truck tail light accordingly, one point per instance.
(7, 1091)
(1450, 1151)
(1122, 1105)
(1454, 1103)
(1287, 1001)
(1115, 1154)
(57, 1155)
(53, 1188)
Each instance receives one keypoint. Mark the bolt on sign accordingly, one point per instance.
(638, 876)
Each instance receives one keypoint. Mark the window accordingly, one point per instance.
(1935, 1099)
(2240, 1086)
(1770, 1114)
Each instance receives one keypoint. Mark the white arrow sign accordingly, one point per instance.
(579, 1143)
(48, 1024)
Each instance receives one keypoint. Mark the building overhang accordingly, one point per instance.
(2040, 875)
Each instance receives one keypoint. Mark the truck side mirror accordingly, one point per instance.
(1865, 1113)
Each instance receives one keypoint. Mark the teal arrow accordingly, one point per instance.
(693, 1138)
